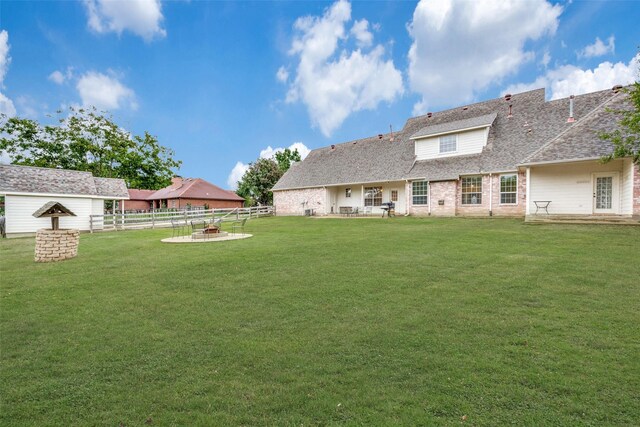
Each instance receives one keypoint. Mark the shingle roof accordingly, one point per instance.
(457, 125)
(53, 209)
(533, 123)
(194, 188)
(29, 179)
(111, 187)
(581, 141)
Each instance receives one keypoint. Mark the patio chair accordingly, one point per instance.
(199, 226)
(355, 211)
(238, 225)
(177, 228)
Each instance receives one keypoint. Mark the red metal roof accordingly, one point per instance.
(188, 188)
(140, 194)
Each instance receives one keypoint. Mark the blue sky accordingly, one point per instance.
(222, 83)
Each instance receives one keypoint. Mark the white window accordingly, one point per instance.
(373, 196)
(509, 189)
(394, 195)
(472, 190)
(420, 192)
(448, 144)
(347, 192)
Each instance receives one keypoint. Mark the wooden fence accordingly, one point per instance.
(157, 219)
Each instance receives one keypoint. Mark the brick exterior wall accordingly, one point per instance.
(636, 190)
(56, 245)
(518, 209)
(450, 192)
(182, 203)
(137, 205)
(445, 191)
(289, 202)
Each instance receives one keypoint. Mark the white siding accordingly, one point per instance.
(470, 142)
(354, 201)
(97, 207)
(569, 186)
(19, 213)
(626, 204)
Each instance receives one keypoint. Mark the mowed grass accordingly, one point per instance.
(403, 321)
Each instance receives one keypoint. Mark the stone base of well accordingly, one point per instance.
(56, 245)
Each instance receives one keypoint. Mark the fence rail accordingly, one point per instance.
(153, 219)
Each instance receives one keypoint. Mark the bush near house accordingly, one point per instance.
(406, 321)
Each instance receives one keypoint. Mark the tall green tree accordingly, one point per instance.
(88, 140)
(626, 139)
(257, 182)
(286, 157)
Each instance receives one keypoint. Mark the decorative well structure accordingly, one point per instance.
(55, 244)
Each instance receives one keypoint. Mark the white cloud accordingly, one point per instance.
(546, 58)
(360, 31)
(141, 17)
(269, 152)
(57, 77)
(236, 175)
(282, 75)
(461, 47)
(6, 105)
(598, 48)
(240, 168)
(334, 85)
(571, 80)
(105, 92)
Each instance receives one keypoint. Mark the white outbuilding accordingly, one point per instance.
(27, 188)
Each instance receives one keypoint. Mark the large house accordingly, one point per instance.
(512, 156)
(184, 193)
(27, 189)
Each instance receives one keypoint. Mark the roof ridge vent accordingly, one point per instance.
(429, 115)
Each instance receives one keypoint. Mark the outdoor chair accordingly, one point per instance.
(198, 226)
(238, 225)
(368, 210)
(177, 228)
(355, 211)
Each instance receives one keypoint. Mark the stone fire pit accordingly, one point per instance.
(55, 244)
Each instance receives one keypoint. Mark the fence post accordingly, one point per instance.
(153, 218)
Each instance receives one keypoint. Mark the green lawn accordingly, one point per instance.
(400, 321)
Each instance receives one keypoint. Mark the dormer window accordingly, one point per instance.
(448, 144)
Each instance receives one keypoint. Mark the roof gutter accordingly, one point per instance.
(552, 162)
(72, 196)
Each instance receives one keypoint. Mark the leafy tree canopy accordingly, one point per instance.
(257, 182)
(626, 139)
(88, 140)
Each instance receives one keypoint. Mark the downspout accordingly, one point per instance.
(407, 198)
(429, 196)
(528, 192)
(490, 194)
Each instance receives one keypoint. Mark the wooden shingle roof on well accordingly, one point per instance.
(35, 180)
(533, 123)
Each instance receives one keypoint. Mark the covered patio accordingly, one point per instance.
(582, 189)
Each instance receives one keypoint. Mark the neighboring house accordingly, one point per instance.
(496, 157)
(139, 200)
(182, 194)
(27, 189)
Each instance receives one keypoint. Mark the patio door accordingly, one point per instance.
(605, 193)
